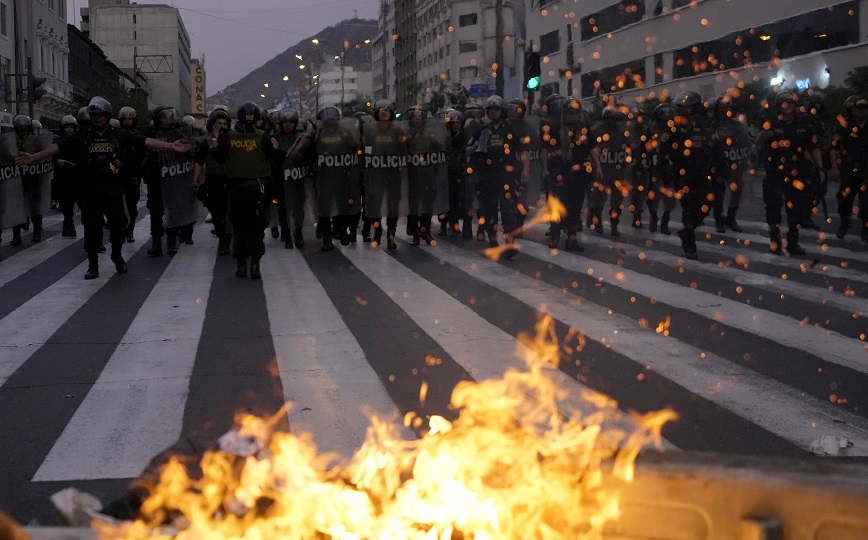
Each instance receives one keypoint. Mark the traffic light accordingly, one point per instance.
(532, 71)
(34, 88)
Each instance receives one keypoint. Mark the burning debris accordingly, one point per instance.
(518, 462)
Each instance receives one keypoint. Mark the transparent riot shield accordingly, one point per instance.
(179, 198)
(298, 188)
(385, 160)
(12, 206)
(337, 167)
(528, 130)
(36, 178)
(427, 167)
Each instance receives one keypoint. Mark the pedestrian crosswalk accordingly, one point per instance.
(758, 353)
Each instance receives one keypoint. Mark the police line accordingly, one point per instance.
(13, 171)
(393, 161)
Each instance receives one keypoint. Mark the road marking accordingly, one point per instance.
(135, 409)
(773, 406)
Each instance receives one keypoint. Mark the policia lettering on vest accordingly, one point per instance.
(103, 150)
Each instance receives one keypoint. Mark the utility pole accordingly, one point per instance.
(498, 54)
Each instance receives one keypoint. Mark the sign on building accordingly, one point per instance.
(197, 107)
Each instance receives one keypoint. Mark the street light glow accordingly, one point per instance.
(299, 57)
(286, 77)
(301, 66)
(315, 41)
(265, 85)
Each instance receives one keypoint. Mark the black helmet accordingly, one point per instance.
(455, 116)
(687, 102)
(215, 114)
(849, 104)
(68, 120)
(496, 101)
(384, 104)
(127, 113)
(571, 106)
(416, 111)
(99, 105)
(638, 115)
(474, 110)
(22, 121)
(187, 121)
(83, 114)
(248, 113)
(553, 104)
(786, 96)
(164, 113)
(664, 112)
(329, 113)
(288, 113)
(517, 107)
(612, 112)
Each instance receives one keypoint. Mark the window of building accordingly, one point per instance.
(51, 5)
(550, 43)
(614, 79)
(467, 72)
(4, 19)
(466, 46)
(467, 20)
(612, 18)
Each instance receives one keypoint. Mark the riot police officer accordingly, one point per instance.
(616, 159)
(295, 168)
(460, 198)
(496, 155)
(384, 192)
(736, 145)
(849, 157)
(247, 152)
(65, 177)
(640, 139)
(133, 173)
(24, 134)
(792, 156)
(693, 150)
(214, 186)
(103, 151)
(662, 170)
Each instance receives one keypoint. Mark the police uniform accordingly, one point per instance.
(66, 176)
(567, 155)
(850, 142)
(294, 176)
(662, 182)
(736, 146)
(457, 169)
(132, 188)
(247, 152)
(496, 159)
(616, 159)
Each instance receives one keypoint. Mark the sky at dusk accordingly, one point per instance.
(236, 36)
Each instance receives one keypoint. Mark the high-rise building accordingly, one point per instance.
(633, 47)
(146, 39)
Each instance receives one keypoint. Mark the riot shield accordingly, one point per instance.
(179, 199)
(36, 178)
(337, 168)
(298, 188)
(11, 190)
(427, 167)
(385, 159)
(528, 130)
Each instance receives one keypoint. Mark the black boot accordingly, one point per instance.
(287, 242)
(597, 218)
(378, 234)
(69, 230)
(241, 267)
(444, 229)
(366, 230)
(652, 222)
(254, 269)
(92, 266)
(775, 242)
(275, 232)
(16, 236)
(793, 247)
(390, 238)
(637, 220)
(467, 228)
(554, 238)
(327, 244)
(425, 230)
(843, 227)
(120, 263)
(664, 223)
(171, 244)
(299, 238)
(731, 214)
(37, 229)
(157, 247)
(223, 245)
(614, 224)
(572, 244)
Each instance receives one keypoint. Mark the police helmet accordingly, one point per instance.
(817, 98)
(612, 112)
(441, 113)
(22, 122)
(474, 110)
(498, 102)
(99, 105)
(416, 112)
(664, 112)
(572, 108)
(517, 107)
(164, 115)
(68, 120)
(455, 116)
(127, 113)
(288, 113)
(274, 117)
(187, 121)
(786, 96)
(638, 115)
(849, 103)
(83, 114)
(223, 108)
(384, 104)
(553, 104)
(329, 113)
(215, 114)
(114, 122)
(861, 103)
(248, 113)
(687, 102)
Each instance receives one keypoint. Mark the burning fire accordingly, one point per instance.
(518, 462)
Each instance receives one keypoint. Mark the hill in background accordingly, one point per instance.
(351, 33)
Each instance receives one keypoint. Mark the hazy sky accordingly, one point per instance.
(237, 36)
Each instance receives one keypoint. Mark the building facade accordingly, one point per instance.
(333, 84)
(145, 39)
(90, 69)
(7, 63)
(649, 47)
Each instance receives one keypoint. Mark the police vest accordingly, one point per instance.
(103, 154)
(247, 160)
(789, 141)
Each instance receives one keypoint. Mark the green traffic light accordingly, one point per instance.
(533, 83)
